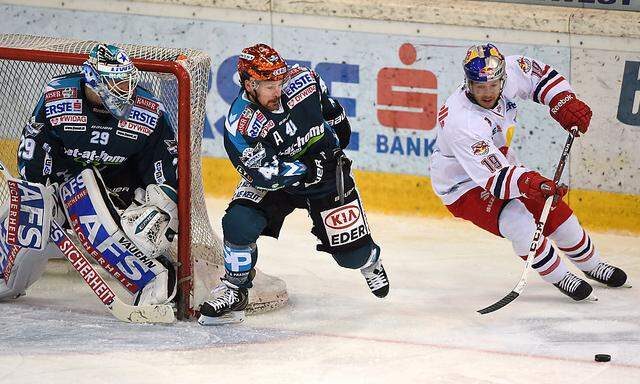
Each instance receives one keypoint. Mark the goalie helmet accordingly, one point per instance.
(112, 76)
(261, 62)
(483, 63)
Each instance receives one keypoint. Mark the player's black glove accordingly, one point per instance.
(343, 165)
(317, 168)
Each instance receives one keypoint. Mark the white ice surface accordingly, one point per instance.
(335, 331)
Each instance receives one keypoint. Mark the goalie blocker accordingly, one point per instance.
(92, 216)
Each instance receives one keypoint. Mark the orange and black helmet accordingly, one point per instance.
(261, 62)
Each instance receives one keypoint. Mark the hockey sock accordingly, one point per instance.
(547, 263)
(576, 244)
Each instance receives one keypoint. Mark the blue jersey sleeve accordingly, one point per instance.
(40, 152)
(158, 161)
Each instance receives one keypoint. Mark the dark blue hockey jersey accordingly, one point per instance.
(269, 148)
(67, 133)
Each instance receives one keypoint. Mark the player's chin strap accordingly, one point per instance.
(537, 235)
(56, 234)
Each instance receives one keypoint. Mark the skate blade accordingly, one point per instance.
(591, 297)
(235, 317)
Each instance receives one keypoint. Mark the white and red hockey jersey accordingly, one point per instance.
(469, 137)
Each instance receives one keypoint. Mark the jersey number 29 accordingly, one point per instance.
(26, 148)
(98, 137)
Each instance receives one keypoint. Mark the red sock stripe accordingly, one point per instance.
(542, 247)
(593, 250)
(548, 88)
(580, 244)
(551, 268)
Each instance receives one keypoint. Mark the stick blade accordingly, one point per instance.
(500, 303)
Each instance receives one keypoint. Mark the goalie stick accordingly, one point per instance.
(157, 313)
(517, 290)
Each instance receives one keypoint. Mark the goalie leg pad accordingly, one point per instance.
(100, 235)
(162, 289)
(29, 215)
(24, 235)
(21, 267)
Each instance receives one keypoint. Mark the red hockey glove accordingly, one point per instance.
(534, 186)
(569, 111)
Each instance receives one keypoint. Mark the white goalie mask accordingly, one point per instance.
(110, 73)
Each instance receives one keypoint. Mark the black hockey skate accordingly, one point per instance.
(227, 308)
(574, 287)
(377, 279)
(609, 275)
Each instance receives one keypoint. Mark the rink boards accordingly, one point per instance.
(392, 77)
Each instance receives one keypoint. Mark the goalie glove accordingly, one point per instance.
(152, 226)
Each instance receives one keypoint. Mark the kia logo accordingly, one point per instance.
(342, 217)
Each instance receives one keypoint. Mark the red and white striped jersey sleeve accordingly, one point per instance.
(503, 184)
(532, 79)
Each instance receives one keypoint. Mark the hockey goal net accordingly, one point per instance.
(179, 77)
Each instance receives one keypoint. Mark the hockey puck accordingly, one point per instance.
(603, 358)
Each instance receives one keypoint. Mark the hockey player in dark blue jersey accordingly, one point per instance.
(285, 135)
(100, 119)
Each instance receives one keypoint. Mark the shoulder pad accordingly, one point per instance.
(63, 87)
(146, 100)
(254, 123)
(521, 63)
(239, 114)
(297, 69)
(299, 79)
(67, 80)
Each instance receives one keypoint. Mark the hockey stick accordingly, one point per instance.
(511, 296)
(120, 310)
(340, 181)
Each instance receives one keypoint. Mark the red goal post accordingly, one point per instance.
(179, 78)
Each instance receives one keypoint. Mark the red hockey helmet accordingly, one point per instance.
(261, 62)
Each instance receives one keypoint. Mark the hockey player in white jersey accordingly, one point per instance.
(477, 177)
